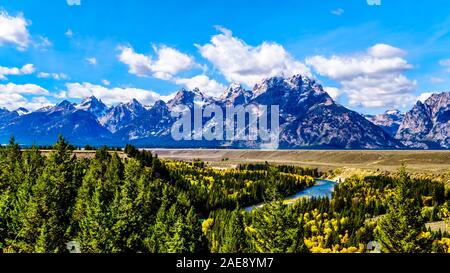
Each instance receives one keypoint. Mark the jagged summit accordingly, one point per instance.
(427, 125)
(93, 105)
(296, 82)
(236, 94)
(389, 121)
(65, 105)
(22, 111)
(188, 98)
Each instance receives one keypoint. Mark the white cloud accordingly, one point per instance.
(436, 80)
(424, 96)
(60, 95)
(246, 64)
(106, 82)
(69, 33)
(13, 96)
(338, 12)
(204, 83)
(42, 43)
(31, 89)
(377, 61)
(371, 79)
(334, 92)
(13, 30)
(110, 95)
(169, 62)
(55, 76)
(73, 2)
(91, 60)
(393, 91)
(168, 97)
(25, 70)
(12, 101)
(385, 51)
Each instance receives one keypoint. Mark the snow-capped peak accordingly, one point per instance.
(93, 105)
(22, 111)
(65, 105)
(393, 112)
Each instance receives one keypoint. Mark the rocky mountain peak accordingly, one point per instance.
(389, 121)
(309, 118)
(296, 93)
(236, 95)
(159, 107)
(134, 106)
(438, 104)
(188, 98)
(22, 111)
(93, 105)
(427, 125)
(65, 105)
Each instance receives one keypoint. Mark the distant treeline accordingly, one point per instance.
(73, 147)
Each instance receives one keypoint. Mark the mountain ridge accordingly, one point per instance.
(309, 118)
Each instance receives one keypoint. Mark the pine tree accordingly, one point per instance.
(178, 241)
(194, 234)
(50, 207)
(92, 213)
(10, 180)
(275, 230)
(234, 240)
(399, 230)
(32, 162)
(132, 208)
(160, 232)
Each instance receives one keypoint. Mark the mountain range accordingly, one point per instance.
(309, 118)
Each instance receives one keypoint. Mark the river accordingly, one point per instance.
(323, 188)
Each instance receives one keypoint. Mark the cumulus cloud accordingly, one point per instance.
(55, 76)
(378, 61)
(110, 96)
(31, 89)
(12, 101)
(371, 79)
(73, 2)
(13, 30)
(334, 92)
(208, 86)
(24, 70)
(13, 96)
(393, 91)
(242, 63)
(385, 51)
(167, 64)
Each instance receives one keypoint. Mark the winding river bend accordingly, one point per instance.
(323, 188)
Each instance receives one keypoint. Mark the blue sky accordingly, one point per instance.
(369, 57)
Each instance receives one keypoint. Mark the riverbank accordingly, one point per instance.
(322, 189)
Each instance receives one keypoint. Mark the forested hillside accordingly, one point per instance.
(144, 204)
